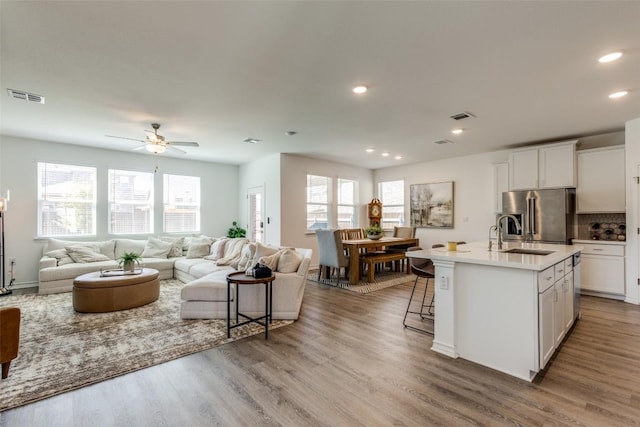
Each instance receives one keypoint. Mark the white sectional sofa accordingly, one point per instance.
(203, 267)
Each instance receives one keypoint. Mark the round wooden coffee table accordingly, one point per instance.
(239, 278)
(97, 293)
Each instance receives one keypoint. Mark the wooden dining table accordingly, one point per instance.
(355, 245)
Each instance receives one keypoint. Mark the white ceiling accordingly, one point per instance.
(219, 72)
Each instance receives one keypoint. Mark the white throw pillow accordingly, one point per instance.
(262, 250)
(156, 248)
(81, 254)
(289, 261)
(176, 246)
(217, 249)
(61, 256)
(198, 247)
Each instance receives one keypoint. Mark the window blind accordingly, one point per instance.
(181, 196)
(130, 202)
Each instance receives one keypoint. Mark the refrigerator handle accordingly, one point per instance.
(532, 216)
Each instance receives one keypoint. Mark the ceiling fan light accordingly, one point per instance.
(156, 148)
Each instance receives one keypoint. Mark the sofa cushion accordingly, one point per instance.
(185, 264)
(61, 256)
(156, 248)
(105, 248)
(176, 245)
(74, 270)
(289, 261)
(208, 267)
(270, 261)
(262, 250)
(82, 254)
(129, 245)
(205, 289)
(217, 249)
(199, 247)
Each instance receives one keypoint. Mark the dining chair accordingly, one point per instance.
(406, 233)
(331, 253)
(423, 269)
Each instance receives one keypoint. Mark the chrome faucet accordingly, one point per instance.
(499, 227)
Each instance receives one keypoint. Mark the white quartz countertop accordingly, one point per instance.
(478, 253)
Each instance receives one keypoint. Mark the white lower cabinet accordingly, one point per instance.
(555, 307)
(603, 270)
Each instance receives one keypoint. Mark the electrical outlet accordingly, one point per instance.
(444, 282)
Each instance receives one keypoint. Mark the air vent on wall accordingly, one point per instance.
(26, 96)
(443, 141)
(460, 116)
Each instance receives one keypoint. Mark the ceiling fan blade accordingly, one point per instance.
(139, 147)
(174, 149)
(124, 137)
(184, 143)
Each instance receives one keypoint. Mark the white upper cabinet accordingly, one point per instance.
(545, 166)
(601, 180)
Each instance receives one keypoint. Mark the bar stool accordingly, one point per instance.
(422, 269)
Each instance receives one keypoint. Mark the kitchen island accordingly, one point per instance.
(507, 311)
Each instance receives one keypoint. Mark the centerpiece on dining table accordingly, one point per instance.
(374, 231)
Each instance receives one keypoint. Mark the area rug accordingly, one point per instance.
(383, 280)
(61, 350)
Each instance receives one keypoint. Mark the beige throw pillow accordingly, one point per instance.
(262, 250)
(246, 256)
(61, 256)
(198, 248)
(270, 261)
(289, 261)
(217, 249)
(156, 248)
(81, 254)
(176, 246)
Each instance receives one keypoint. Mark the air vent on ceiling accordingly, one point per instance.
(443, 141)
(252, 140)
(26, 96)
(460, 116)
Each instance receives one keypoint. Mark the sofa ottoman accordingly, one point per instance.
(93, 293)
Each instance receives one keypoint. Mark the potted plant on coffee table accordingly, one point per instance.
(129, 260)
(374, 231)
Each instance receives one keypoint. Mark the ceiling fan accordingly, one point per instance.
(156, 143)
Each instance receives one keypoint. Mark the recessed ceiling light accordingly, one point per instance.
(291, 132)
(252, 140)
(619, 94)
(360, 89)
(385, 154)
(610, 57)
(398, 157)
(457, 131)
(369, 150)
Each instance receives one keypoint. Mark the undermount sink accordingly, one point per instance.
(525, 251)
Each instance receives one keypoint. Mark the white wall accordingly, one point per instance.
(266, 173)
(219, 186)
(294, 170)
(632, 154)
(474, 203)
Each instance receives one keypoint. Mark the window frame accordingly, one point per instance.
(113, 174)
(327, 203)
(387, 206)
(43, 199)
(197, 205)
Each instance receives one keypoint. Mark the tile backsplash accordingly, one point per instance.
(609, 226)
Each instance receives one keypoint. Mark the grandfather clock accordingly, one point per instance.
(375, 211)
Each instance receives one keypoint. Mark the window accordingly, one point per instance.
(347, 212)
(391, 194)
(318, 188)
(66, 200)
(181, 195)
(130, 202)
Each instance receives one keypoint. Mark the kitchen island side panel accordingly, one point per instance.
(496, 318)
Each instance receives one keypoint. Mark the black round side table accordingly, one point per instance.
(239, 278)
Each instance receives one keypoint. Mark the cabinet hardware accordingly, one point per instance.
(636, 179)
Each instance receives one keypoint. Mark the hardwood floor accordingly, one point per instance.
(348, 361)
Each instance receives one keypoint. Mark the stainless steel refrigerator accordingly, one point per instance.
(544, 215)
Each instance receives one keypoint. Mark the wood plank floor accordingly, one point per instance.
(348, 361)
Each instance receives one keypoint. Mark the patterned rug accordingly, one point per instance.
(383, 280)
(61, 350)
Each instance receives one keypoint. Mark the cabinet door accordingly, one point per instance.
(602, 273)
(568, 300)
(523, 169)
(546, 325)
(557, 166)
(601, 181)
(558, 312)
(500, 183)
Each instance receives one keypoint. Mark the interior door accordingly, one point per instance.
(255, 200)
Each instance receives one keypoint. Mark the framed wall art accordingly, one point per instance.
(432, 205)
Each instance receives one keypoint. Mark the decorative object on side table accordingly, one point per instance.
(374, 232)
(129, 260)
(236, 231)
